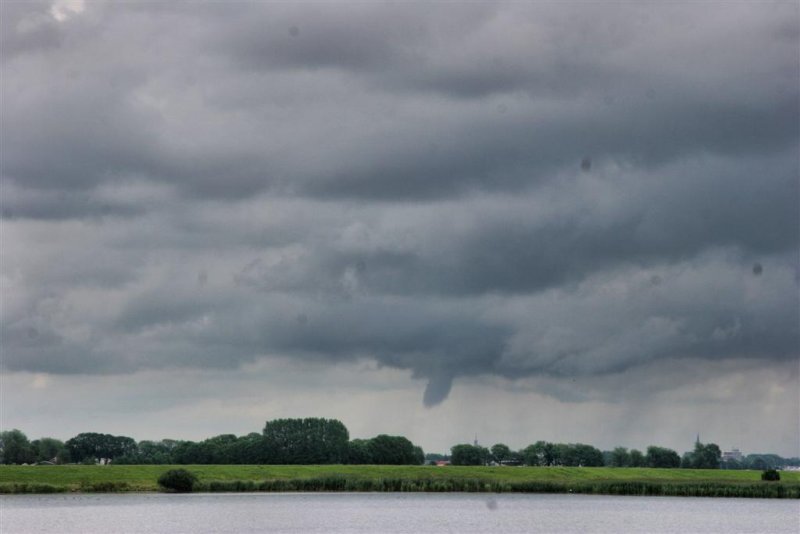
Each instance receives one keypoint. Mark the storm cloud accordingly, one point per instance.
(528, 191)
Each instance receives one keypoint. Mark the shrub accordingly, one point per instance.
(770, 474)
(177, 480)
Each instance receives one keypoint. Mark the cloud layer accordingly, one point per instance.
(520, 190)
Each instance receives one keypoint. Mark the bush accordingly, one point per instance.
(770, 474)
(177, 480)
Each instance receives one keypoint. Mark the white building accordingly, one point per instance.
(733, 454)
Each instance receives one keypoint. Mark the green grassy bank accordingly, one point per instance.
(600, 480)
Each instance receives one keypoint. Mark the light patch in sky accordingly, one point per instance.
(64, 9)
(40, 381)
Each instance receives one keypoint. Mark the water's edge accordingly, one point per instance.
(398, 485)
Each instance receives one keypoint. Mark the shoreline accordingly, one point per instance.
(769, 490)
(382, 478)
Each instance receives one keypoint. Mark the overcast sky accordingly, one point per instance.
(571, 221)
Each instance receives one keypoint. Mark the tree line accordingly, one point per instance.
(306, 441)
(326, 441)
(542, 453)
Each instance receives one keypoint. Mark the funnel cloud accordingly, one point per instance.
(437, 389)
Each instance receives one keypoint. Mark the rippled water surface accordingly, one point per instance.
(391, 513)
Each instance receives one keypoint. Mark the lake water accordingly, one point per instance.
(390, 513)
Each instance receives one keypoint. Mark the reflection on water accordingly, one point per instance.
(391, 513)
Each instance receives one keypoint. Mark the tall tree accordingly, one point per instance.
(15, 448)
(465, 454)
(706, 456)
(250, 449)
(540, 453)
(392, 450)
(190, 452)
(532, 454)
(307, 441)
(637, 458)
(662, 457)
(586, 455)
(93, 446)
(620, 457)
(358, 452)
(49, 450)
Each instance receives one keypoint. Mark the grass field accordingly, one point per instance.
(43, 479)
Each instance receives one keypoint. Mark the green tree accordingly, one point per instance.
(221, 449)
(540, 453)
(530, 455)
(15, 448)
(465, 454)
(249, 449)
(500, 452)
(549, 454)
(120, 446)
(358, 452)
(156, 452)
(192, 453)
(306, 441)
(93, 446)
(573, 454)
(561, 454)
(49, 450)
(662, 457)
(586, 455)
(392, 450)
(620, 457)
(637, 458)
(706, 456)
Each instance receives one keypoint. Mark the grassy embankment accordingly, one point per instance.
(600, 480)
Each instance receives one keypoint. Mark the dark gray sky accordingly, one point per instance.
(560, 221)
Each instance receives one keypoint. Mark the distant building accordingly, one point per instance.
(733, 454)
(442, 463)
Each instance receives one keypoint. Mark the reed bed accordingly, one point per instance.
(348, 478)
